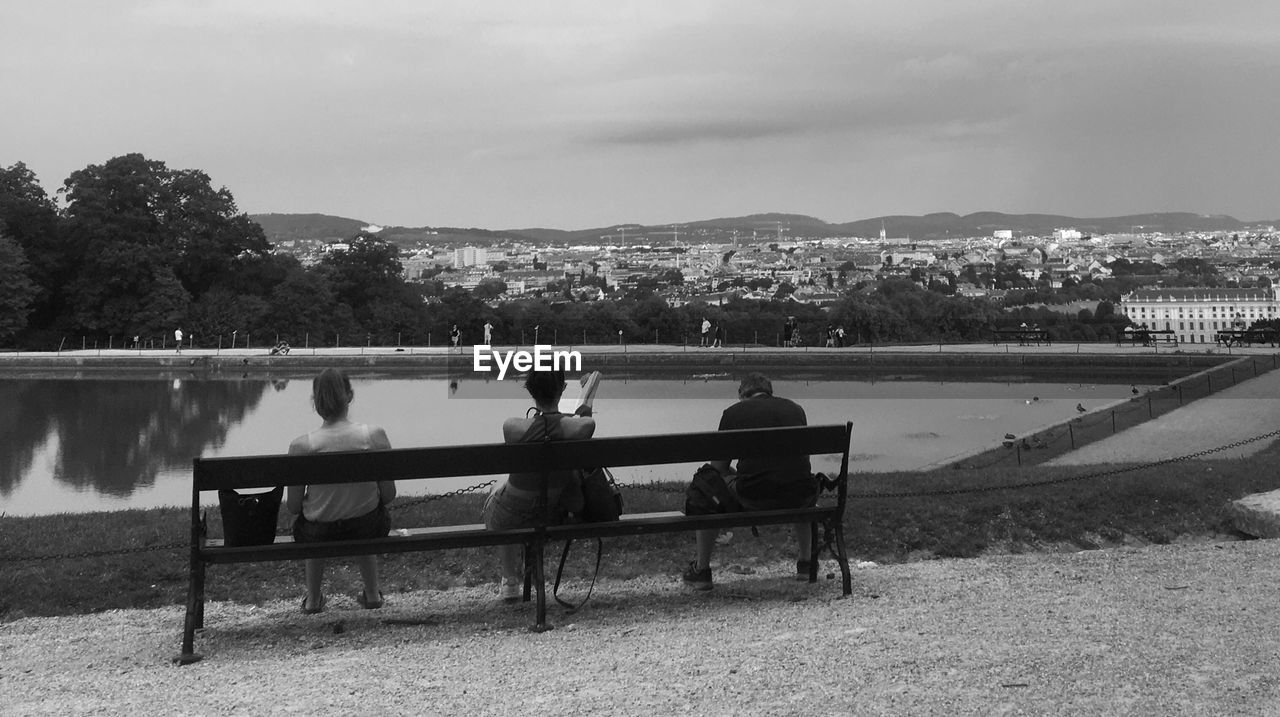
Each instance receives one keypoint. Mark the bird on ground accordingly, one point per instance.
(1080, 408)
(1009, 436)
(1134, 389)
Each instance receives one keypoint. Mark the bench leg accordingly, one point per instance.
(526, 560)
(540, 582)
(843, 558)
(815, 548)
(195, 615)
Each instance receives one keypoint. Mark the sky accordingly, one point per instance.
(578, 114)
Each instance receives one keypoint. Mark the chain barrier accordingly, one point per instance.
(93, 553)
(420, 500)
(1065, 479)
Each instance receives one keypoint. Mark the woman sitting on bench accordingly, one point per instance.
(517, 501)
(339, 511)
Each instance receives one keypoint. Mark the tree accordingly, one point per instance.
(126, 290)
(490, 289)
(17, 292)
(135, 227)
(302, 308)
(30, 218)
(368, 274)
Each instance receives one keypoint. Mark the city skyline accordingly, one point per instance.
(572, 114)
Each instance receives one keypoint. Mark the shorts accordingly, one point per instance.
(374, 524)
(508, 507)
(800, 494)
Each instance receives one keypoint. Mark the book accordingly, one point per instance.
(580, 393)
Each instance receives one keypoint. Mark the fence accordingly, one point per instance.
(1042, 445)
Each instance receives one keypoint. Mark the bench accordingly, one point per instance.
(262, 472)
(1244, 337)
(1147, 337)
(1024, 337)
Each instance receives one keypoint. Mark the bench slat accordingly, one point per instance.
(476, 535)
(503, 458)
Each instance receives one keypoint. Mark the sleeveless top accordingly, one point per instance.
(338, 501)
(548, 428)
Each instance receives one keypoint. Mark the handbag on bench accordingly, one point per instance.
(249, 518)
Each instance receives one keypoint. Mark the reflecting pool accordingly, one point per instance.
(80, 445)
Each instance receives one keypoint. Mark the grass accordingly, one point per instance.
(1090, 509)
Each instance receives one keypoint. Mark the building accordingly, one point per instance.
(1196, 315)
(470, 256)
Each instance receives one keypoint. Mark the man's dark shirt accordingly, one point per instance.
(784, 477)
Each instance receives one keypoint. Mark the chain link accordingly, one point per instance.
(93, 553)
(400, 505)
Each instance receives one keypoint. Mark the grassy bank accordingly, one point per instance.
(1089, 508)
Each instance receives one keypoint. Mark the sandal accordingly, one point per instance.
(364, 601)
(312, 610)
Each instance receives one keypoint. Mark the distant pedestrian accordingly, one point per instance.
(789, 331)
(488, 334)
(177, 338)
(455, 336)
(719, 337)
(706, 333)
(840, 336)
(831, 337)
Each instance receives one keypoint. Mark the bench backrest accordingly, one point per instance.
(501, 458)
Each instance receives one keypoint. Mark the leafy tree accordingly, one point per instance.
(30, 218)
(367, 268)
(136, 227)
(368, 277)
(1194, 266)
(671, 277)
(302, 308)
(220, 312)
(17, 292)
(490, 289)
(126, 289)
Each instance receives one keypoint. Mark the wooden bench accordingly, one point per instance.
(1024, 337)
(1147, 337)
(1244, 337)
(261, 472)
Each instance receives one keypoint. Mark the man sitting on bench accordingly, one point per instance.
(786, 481)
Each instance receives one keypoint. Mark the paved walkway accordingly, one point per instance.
(977, 348)
(1246, 410)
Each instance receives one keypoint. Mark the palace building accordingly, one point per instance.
(1196, 315)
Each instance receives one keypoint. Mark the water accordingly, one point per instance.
(81, 445)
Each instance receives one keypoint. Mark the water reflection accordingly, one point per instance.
(116, 436)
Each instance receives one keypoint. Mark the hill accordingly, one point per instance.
(326, 228)
(938, 225)
(323, 227)
(942, 225)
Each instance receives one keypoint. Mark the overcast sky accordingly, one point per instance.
(572, 114)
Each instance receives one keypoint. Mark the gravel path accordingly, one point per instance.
(1186, 629)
